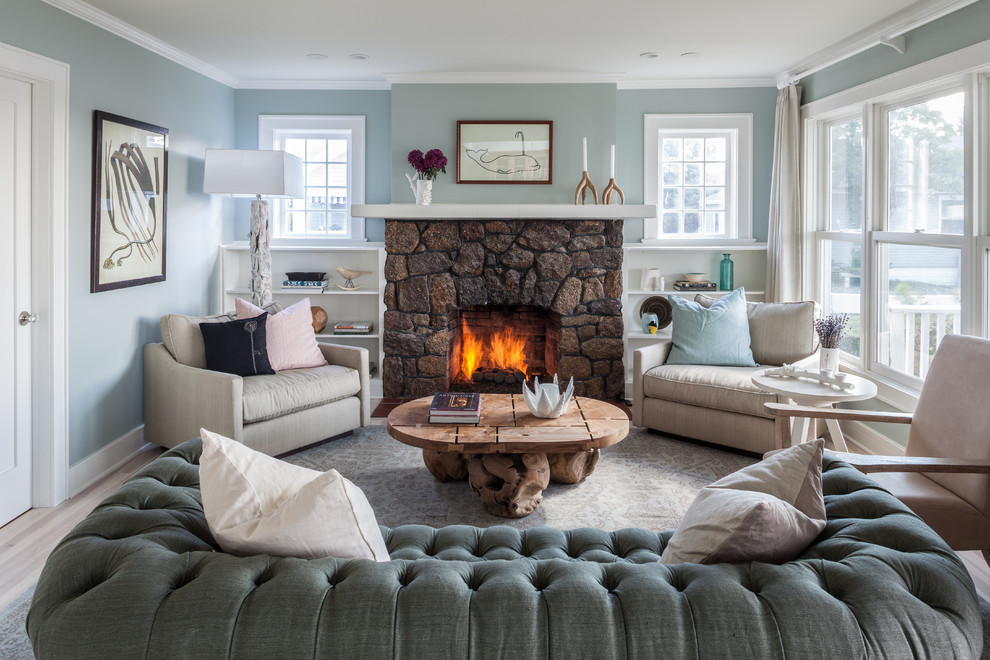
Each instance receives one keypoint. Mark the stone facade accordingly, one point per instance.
(571, 267)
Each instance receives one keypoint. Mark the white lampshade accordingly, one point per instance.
(251, 172)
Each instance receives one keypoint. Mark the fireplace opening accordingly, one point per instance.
(495, 348)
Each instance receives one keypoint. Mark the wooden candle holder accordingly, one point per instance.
(609, 189)
(583, 187)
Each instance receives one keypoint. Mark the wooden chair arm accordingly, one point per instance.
(869, 463)
(785, 410)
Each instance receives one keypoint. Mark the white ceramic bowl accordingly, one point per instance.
(694, 278)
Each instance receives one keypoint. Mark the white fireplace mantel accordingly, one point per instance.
(503, 211)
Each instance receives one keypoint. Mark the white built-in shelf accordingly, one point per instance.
(696, 247)
(503, 211)
(348, 336)
(676, 292)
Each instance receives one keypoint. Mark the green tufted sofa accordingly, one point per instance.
(141, 577)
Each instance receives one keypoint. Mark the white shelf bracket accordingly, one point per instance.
(897, 43)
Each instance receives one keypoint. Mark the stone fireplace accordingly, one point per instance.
(558, 282)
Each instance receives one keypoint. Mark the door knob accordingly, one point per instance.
(27, 317)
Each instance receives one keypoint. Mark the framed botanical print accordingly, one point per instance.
(130, 181)
(505, 152)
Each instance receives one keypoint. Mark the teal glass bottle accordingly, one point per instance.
(725, 273)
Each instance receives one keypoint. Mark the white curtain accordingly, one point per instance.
(784, 239)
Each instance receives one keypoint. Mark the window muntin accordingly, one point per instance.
(332, 151)
(694, 184)
(698, 174)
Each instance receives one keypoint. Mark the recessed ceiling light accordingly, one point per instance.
(317, 56)
(650, 55)
(691, 53)
(358, 56)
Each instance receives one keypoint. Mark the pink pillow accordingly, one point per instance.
(291, 339)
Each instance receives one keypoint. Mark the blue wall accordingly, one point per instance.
(374, 105)
(968, 26)
(107, 330)
(425, 116)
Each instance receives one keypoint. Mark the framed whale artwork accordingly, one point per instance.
(500, 151)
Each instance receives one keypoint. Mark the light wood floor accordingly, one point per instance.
(26, 542)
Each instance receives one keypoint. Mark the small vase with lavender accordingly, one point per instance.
(830, 330)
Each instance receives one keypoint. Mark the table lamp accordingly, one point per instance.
(255, 173)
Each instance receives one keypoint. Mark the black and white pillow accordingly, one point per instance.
(237, 347)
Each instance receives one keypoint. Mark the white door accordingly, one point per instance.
(15, 292)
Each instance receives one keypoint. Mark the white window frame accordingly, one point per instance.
(967, 70)
(739, 177)
(271, 128)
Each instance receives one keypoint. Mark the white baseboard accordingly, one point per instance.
(96, 466)
(870, 440)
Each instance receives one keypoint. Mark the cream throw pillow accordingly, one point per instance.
(289, 335)
(769, 512)
(256, 504)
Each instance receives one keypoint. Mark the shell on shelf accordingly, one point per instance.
(546, 400)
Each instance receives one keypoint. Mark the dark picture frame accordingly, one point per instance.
(130, 185)
(505, 151)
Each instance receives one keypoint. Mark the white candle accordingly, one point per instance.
(612, 174)
(584, 151)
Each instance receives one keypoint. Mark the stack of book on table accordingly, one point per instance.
(455, 408)
(353, 328)
(312, 286)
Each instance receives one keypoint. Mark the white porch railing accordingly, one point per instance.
(913, 332)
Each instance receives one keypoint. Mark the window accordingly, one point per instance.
(698, 173)
(896, 227)
(332, 151)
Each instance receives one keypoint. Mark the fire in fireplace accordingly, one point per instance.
(496, 348)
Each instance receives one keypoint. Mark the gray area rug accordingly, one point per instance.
(644, 481)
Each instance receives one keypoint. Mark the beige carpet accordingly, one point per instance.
(644, 481)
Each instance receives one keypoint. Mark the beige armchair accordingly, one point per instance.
(270, 413)
(945, 475)
(721, 405)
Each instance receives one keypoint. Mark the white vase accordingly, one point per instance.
(828, 360)
(424, 192)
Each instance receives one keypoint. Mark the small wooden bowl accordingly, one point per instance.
(694, 278)
(319, 319)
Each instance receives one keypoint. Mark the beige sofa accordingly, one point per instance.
(270, 413)
(717, 404)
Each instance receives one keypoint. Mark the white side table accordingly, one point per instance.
(810, 393)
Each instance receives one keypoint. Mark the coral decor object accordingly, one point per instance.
(546, 400)
(836, 379)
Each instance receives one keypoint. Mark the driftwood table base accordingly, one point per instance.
(511, 456)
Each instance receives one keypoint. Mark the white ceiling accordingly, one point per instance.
(249, 42)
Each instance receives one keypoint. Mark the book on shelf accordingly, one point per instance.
(372, 369)
(320, 283)
(684, 285)
(353, 328)
(312, 288)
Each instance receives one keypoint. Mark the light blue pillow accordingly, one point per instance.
(718, 335)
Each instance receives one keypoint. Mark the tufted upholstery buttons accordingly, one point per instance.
(876, 579)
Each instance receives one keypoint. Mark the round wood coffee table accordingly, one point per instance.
(511, 455)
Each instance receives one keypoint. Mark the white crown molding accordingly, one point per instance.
(126, 31)
(490, 77)
(697, 83)
(913, 17)
(336, 85)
